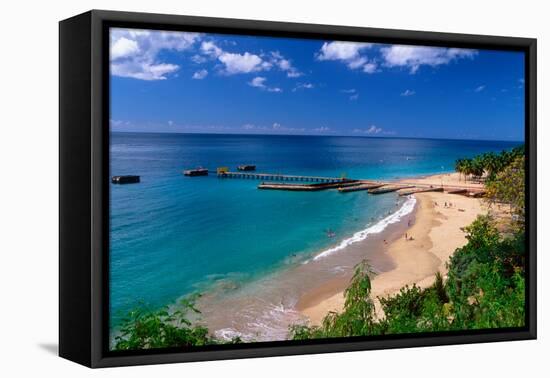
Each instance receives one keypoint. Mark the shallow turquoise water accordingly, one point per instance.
(172, 235)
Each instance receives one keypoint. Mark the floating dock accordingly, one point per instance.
(196, 172)
(306, 187)
(389, 188)
(246, 167)
(457, 191)
(128, 179)
(360, 186)
(406, 192)
(475, 193)
(280, 177)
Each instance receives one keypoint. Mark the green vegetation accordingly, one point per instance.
(488, 163)
(146, 329)
(508, 187)
(358, 317)
(484, 287)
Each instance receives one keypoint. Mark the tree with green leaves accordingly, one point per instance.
(146, 329)
(489, 163)
(357, 318)
(508, 187)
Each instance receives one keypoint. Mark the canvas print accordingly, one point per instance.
(274, 189)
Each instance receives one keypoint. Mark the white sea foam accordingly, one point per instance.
(263, 324)
(405, 209)
(228, 334)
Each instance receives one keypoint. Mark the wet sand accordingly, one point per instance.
(436, 233)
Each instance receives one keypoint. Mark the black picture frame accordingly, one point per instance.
(84, 184)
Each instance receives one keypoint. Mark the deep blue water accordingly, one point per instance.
(172, 235)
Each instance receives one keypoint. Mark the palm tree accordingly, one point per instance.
(477, 167)
(468, 168)
(459, 167)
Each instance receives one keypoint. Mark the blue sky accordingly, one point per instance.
(211, 83)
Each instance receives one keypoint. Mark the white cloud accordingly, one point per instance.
(247, 62)
(348, 53)
(408, 92)
(259, 82)
(413, 57)
(357, 63)
(370, 68)
(284, 64)
(199, 59)
(134, 53)
(354, 95)
(199, 75)
(479, 89)
(275, 128)
(118, 122)
(294, 74)
(143, 70)
(123, 47)
(210, 48)
(322, 129)
(241, 63)
(303, 86)
(278, 128)
(372, 130)
(234, 63)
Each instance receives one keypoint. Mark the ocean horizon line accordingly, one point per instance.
(314, 135)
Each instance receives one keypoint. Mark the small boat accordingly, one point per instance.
(330, 233)
(196, 172)
(128, 179)
(246, 167)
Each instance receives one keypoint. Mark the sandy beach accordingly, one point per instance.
(436, 233)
